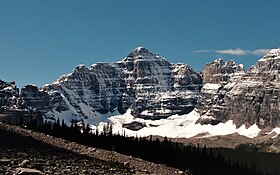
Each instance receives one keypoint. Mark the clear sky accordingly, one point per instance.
(43, 39)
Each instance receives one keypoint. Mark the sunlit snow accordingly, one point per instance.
(177, 126)
(276, 130)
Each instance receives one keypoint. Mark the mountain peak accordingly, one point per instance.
(219, 61)
(141, 49)
(140, 52)
(79, 67)
(272, 54)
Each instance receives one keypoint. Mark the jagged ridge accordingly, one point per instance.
(145, 82)
(153, 88)
(251, 98)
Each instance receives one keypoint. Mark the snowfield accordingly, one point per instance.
(177, 126)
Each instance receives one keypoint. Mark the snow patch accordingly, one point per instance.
(210, 86)
(97, 118)
(250, 132)
(178, 126)
(276, 130)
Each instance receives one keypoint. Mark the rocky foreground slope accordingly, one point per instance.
(150, 88)
(27, 152)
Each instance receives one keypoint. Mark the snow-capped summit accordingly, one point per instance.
(144, 82)
(268, 65)
(273, 54)
(219, 61)
(141, 49)
(142, 53)
(148, 87)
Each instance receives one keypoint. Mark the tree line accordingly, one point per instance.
(196, 159)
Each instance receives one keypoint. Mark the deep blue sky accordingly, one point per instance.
(43, 39)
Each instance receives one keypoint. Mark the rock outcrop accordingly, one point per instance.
(221, 72)
(218, 79)
(256, 97)
(33, 98)
(22, 108)
(145, 82)
(246, 99)
(158, 88)
(8, 94)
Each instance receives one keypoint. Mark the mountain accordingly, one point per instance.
(144, 94)
(145, 83)
(8, 94)
(218, 78)
(246, 98)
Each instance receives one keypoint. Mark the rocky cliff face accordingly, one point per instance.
(218, 79)
(8, 94)
(21, 107)
(255, 98)
(32, 97)
(221, 72)
(153, 88)
(159, 88)
(246, 98)
(145, 82)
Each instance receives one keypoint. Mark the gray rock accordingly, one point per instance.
(220, 71)
(135, 126)
(145, 82)
(8, 94)
(25, 163)
(255, 98)
(27, 171)
(252, 98)
(33, 98)
(5, 161)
